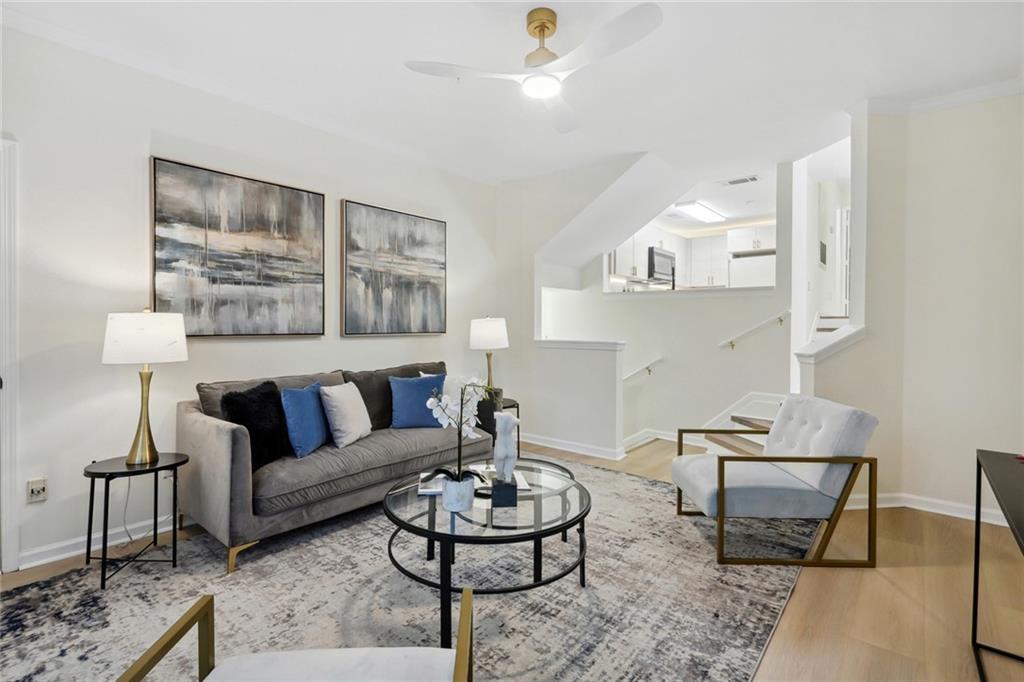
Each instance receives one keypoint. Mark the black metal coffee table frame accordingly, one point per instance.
(448, 541)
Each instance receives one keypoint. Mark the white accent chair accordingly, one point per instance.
(347, 665)
(812, 457)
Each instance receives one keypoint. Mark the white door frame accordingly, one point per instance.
(10, 540)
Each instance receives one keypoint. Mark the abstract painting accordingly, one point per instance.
(395, 272)
(236, 256)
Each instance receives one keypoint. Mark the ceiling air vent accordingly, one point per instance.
(740, 181)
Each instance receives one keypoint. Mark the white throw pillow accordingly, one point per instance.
(346, 413)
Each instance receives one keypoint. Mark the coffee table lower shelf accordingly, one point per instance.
(447, 558)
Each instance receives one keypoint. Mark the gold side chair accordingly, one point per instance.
(295, 666)
(788, 481)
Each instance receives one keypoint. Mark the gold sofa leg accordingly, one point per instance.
(233, 554)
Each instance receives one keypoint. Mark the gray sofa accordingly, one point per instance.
(239, 506)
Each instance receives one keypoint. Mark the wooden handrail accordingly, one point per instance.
(779, 319)
(201, 613)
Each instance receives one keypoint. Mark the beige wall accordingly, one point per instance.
(942, 362)
(86, 129)
(963, 345)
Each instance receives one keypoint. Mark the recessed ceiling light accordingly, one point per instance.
(699, 211)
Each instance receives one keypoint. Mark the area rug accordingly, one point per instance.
(656, 605)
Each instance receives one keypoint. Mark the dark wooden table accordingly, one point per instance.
(108, 470)
(1005, 474)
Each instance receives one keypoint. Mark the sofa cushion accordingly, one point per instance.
(376, 391)
(260, 411)
(384, 455)
(346, 413)
(350, 665)
(304, 415)
(409, 398)
(210, 394)
(752, 489)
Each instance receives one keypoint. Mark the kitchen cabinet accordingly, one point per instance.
(752, 271)
(709, 262)
(744, 239)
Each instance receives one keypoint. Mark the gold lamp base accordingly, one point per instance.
(143, 450)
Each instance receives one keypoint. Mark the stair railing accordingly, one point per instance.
(643, 368)
(778, 319)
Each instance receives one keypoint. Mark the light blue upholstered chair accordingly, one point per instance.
(812, 456)
(338, 665)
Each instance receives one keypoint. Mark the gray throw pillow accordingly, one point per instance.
(346, 413)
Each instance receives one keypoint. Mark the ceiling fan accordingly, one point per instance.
(545, 71)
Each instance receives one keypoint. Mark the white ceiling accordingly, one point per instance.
(725, 87)
(735, 202)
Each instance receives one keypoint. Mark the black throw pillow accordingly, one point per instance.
(260, 411)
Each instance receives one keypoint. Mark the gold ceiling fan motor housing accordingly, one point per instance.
(541, 23)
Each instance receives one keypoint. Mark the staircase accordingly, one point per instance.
(753, 411)
(826, 324)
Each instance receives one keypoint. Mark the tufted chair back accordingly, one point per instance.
(809, 426)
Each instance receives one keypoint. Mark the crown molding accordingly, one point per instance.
(901, 106)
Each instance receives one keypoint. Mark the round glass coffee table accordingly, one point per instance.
(554, 504)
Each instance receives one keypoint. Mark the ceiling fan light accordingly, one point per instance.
(541, 86)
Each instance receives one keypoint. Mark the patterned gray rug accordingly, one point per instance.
(656, 605)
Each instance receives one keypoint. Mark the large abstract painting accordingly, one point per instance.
(395, 276)
(236, 256)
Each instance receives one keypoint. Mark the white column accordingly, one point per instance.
(10, 537)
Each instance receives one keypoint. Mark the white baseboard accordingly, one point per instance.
(645, 436)
(76, 546)
(572, 446)
(929, 504)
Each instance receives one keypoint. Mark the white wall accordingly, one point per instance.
(963, 341)
(696, 379)
(86, 129)
(942, 361)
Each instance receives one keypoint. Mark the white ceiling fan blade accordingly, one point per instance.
(624, 30)
(442, 70)
(562, 115)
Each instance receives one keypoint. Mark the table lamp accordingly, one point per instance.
(143, 339)
(488, 334)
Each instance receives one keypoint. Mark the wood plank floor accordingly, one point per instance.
(907, 619)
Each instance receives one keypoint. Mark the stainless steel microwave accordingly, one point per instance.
(661, 265)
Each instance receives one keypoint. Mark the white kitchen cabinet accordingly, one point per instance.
(751, 239)
(709, 262)
(752, 271)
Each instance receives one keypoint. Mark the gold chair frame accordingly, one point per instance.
(815, 555)
(201, 614)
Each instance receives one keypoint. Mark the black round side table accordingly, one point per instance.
(109, 469)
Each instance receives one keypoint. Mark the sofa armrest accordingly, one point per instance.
(217, 482)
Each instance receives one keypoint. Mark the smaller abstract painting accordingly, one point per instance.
(395, 272)
(236, 256)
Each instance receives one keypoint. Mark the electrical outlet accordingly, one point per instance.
(37, 490)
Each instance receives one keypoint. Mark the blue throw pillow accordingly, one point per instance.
(409, 401)
(304, 415)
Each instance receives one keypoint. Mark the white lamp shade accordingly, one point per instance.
(144, 338)
(488, 333)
